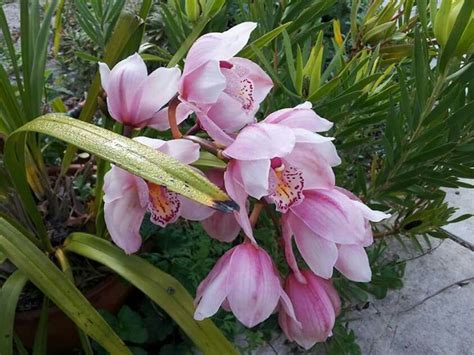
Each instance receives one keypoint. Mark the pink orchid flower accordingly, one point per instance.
(331, 228)
(245, 281)
(316, 305)
(220, 225)
(278, 158)
(135, 98)
(128, 197)
(223, 90)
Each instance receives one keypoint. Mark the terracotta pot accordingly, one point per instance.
(62, 332)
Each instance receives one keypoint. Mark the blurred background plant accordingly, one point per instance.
(394, 76)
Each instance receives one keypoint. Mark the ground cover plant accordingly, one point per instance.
(240, 163)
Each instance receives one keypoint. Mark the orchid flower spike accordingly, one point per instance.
(135, 98)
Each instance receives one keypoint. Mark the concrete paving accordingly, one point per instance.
(434, 312)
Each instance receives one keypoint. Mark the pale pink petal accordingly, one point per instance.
(331, 215)
(301, 116)
(254, 176)
(183, 150)
(194, 211)
(227, 113)
(222, 226)
(317, 172)
(160, 121)
(353, 263)
(150, 142)
(255, 287)
(213, 289)
(123, 211)
(332, 294)
(262, 83)
(370, 214)
(286, 304)
(218, 46)
(125, 79)
(104, 75)
(319, 254)
(235, 189)
(158, 88)
(203, 85)
(305, 136)
(214, 131)
(261, 141)
(287, 235)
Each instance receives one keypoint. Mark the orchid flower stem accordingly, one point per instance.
(127, 130)
(257, 209)
(172, 118)
(193, 130)
(206, 145)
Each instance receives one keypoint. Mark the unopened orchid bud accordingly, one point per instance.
(316, 305)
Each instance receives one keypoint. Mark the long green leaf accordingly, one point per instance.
(459, 26)
(59, 289)
(9, 295)
(128, 154)
(40, 346)
(162, 288)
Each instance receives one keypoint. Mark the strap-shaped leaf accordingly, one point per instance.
(54, 283)
(9, 295)
(126, 153)
(162, 288)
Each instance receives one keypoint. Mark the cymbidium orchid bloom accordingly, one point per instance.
(316, 305)
(128, 197)
(331, 228)
(280, 157)
(223, 90)
(245, 281)
(135, 98)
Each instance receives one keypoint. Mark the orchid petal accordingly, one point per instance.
(123, 211)
(218, 46)
(158, 88)
(261, 141)
(222, 226)
(254, 284)
(319, 254)
(331, 215)
(235, 189)
(194, 211)
(353, 263)
(124, 80)
(301, 116)
(255, 174)
(160, 121)
(203, 85)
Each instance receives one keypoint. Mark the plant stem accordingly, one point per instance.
(172, 118)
